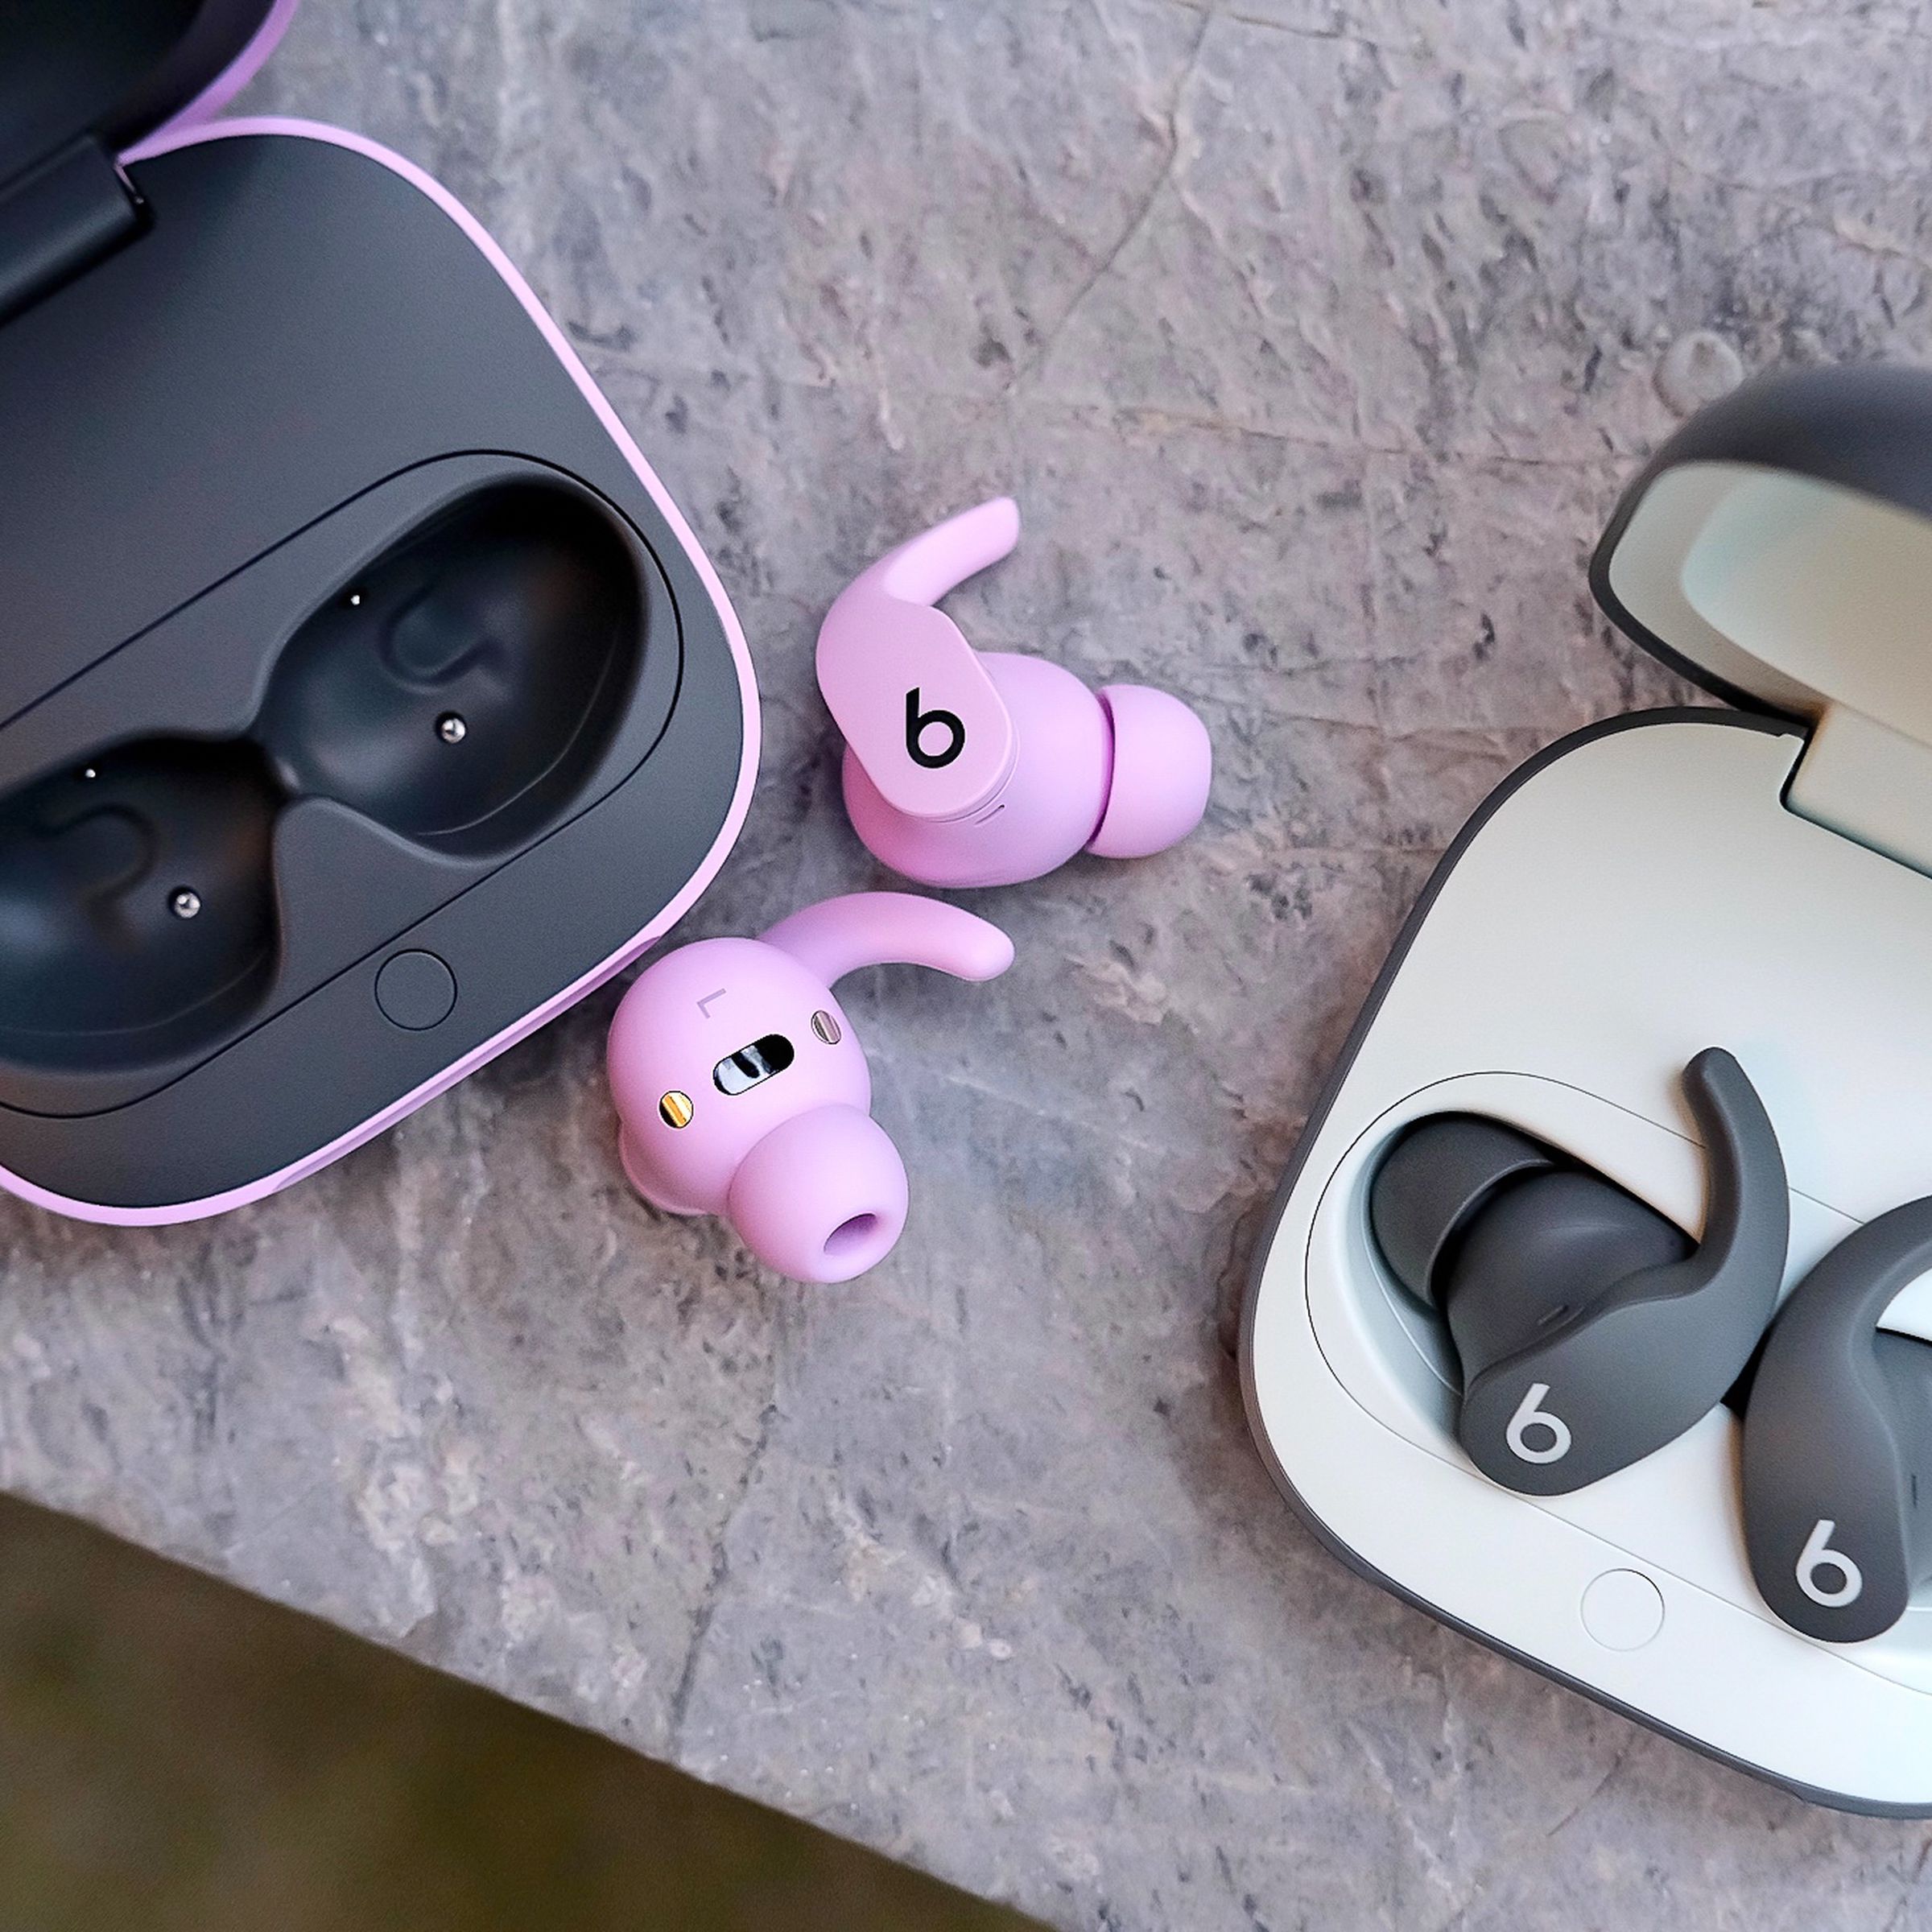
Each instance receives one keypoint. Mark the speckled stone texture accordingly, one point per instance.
(1315, 337)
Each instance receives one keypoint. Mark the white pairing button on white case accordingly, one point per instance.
(1623, 1610)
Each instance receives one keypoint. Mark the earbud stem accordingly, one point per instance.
(1634, 1367)
(911, 696)
(1839, 1433)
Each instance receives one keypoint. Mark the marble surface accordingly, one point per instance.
(1315, 337)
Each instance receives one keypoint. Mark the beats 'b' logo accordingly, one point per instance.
(919, 722)
(1553, 1438)
(1818, 1560)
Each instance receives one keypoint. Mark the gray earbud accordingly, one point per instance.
(1837, 1441)
(1590, 1331)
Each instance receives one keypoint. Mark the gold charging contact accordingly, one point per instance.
(675, 1109)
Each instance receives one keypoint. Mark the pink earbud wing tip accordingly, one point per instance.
(1163, 765)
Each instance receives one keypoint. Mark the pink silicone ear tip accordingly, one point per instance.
(821, 1198)
(1163, 765)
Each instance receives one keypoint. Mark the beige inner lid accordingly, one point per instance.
(1818, 600)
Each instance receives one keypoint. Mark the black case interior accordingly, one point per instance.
(333, 626)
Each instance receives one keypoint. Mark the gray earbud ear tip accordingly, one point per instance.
(1433, 1182)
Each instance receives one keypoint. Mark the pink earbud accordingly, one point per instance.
(743, 1093)
(964, 769)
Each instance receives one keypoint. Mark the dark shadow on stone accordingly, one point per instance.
(176, 1755)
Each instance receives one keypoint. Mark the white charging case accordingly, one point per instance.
(1748, 878)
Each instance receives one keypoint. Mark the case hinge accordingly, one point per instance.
(60, 217)
(1868, 782)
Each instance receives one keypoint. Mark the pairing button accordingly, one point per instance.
(416, 991)
(1623, 1609)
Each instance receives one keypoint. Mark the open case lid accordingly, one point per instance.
(113, 70)
(1778, 551)
(82, 82)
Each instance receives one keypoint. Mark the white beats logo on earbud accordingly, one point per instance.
(1533, 1415)
(1818, 1554)
(1529, 1415)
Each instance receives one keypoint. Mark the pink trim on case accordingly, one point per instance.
(231, 78)
(741, 802)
